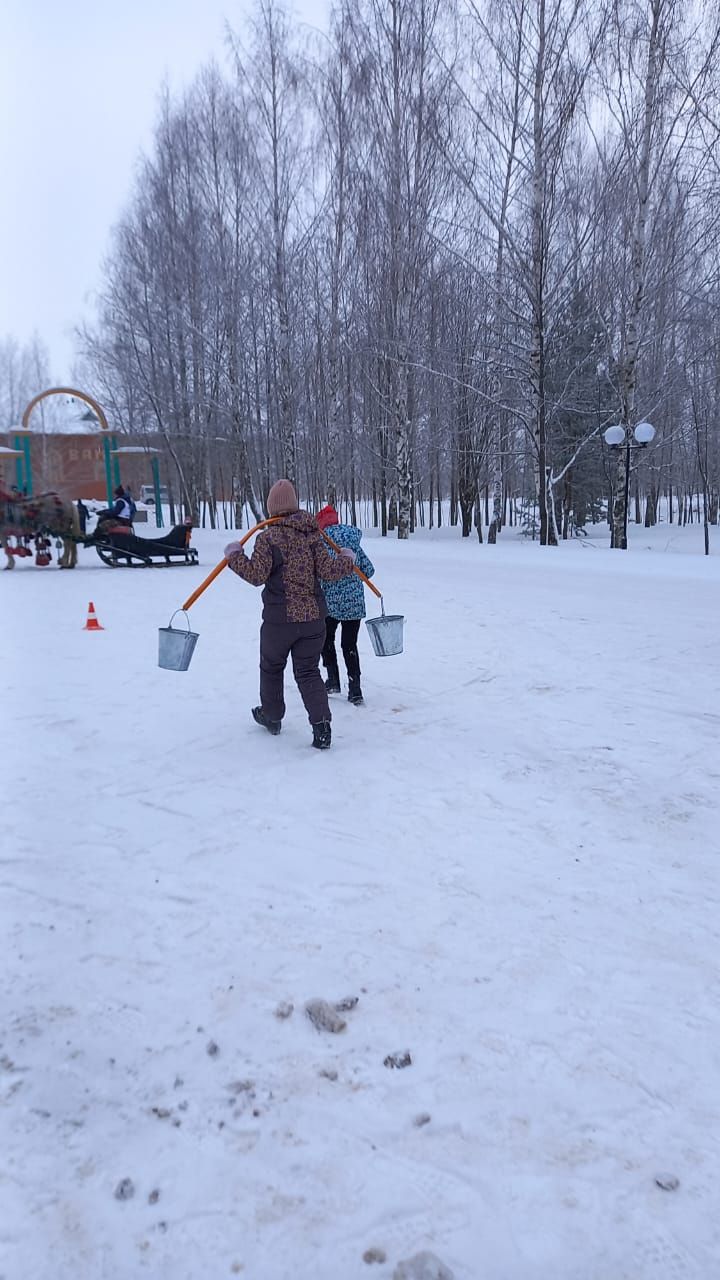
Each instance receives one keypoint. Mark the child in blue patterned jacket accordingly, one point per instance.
(346, 607)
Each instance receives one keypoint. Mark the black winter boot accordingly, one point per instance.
(272, 726)
(322, 735)
(329, 657)
(332, 683)
(352, 662)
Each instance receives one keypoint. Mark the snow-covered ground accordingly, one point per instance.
(510, 856)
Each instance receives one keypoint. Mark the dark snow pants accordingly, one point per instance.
(303, 641)
(349, 632)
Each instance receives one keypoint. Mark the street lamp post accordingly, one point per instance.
(112, 466)
(615, 438)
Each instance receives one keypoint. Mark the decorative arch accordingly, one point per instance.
(23, 442)
(66, 391)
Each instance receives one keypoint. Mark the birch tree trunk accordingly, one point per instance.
(285, 396)
(399, 284)
(496, 428)
(537, 275)
(337, 109)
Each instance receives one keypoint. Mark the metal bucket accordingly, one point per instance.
(176, 647)
(386, 633)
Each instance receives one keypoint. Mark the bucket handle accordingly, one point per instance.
(359, 572)
(183, 612)
(223, 564)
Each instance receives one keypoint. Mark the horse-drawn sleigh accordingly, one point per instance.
(38, 520)
(117, 544)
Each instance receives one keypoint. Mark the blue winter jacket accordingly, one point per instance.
(346, 599)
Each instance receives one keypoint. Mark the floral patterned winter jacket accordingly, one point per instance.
(289, 559)
(346, 599)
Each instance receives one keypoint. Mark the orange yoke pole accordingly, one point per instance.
(223, 564)
(359, 572)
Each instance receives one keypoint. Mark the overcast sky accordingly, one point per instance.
(79, 84)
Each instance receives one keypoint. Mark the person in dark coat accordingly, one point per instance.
(83, 515)
(289, 560)
(346, 607)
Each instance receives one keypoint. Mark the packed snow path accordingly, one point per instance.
(510, 856)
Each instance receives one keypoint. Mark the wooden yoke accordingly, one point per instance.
(223, 564)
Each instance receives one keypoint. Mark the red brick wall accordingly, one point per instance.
(74, 465)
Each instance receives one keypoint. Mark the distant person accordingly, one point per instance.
(289, 559)
(346, 607)
(123, 508)
(83, 515)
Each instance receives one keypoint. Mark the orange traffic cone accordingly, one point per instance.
(92, 623)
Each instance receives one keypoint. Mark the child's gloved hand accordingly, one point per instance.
(348, 553)
(231, 549)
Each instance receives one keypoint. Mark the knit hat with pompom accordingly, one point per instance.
(326, 517)
(282, 499)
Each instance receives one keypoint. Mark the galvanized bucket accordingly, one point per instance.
(175, 646)
(386, 633)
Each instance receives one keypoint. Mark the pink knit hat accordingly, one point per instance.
(282, 499)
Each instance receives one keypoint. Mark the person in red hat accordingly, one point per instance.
(345, 605)
(289, 560)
